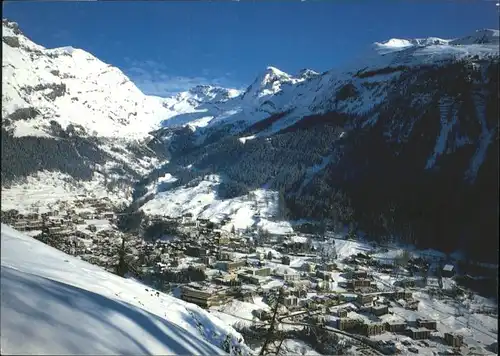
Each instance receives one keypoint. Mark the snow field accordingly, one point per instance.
(63, 305)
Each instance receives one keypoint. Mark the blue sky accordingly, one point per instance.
(168, 46)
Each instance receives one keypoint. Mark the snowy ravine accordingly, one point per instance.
(53, 303)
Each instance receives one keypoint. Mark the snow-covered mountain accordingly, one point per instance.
(69, 117)
(420, 113)
(70, 86)
(397, 44)
(484, 36)
(307, 93)
(67, 306)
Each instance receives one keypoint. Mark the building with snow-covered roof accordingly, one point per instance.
(448, 270)
(308, 267)
(427, 323)
(229, 266)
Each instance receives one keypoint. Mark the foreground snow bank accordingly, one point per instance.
(53, 303)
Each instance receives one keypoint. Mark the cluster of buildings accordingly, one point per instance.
(71, 226)
(212, 266)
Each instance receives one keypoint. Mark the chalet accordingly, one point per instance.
(208, 260)
(346, 323)
(228, 280)
(83, 235)
(196, 251)
(77, 220)
(412, 304)
(359, 274)
(225, 255)
(86, 215)
(108, 215)
(402, 294)
(308, 267)
(288, 277)
(363, 256)
(298, 292)
(405, 283)
(263, 271)
(330, 267)
(250, 278)
(356, 283)
(262, 314)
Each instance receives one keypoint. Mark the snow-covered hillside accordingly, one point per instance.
(254, 210)
(53, 303)
(71, 86)
(65, 112)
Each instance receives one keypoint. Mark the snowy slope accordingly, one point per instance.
(53, 303)
(274, 91)
(67, 108)
(71, 86)
(255, 209)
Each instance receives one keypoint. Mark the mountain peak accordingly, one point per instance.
(71, 87)
(268, 82)
(399, 44)
(272, 74)
(274, 70)
(209, 93)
